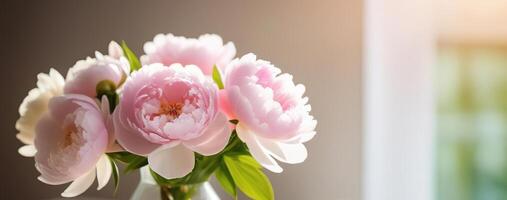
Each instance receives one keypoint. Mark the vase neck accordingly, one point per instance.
(145, 175)
(149, 189)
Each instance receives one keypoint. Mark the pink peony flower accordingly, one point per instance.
(168, 113)
(34, 106)
(203, 52)
(274, 119)
(71, 139)
(84, 76)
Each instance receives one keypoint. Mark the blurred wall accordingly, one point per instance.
(319, 42)
(471, 21)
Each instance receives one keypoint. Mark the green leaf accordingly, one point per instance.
(116, 174)
(217, 77)
(248, 178)
(248, 159)
(131, 57)
(136, 164)
(124, 156)
(225, 179)
(132, 161)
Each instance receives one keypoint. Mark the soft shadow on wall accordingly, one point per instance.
(318, 42)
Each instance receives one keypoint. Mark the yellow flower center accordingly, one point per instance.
(69, 135)
(170, 109)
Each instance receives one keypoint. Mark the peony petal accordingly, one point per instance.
(44, 81)
(287, 153)
(80, 185)
(108, 121)
(172, 161)
(27, 150)
(225, 104)
(256, 149)
(114, 147)
(83, 77)
(104, 106)
(228, 54)
(114, 50)
(130, 140)
(59, 164)
(48, 132)
(305, 137)
(204, 52)
(301, 138)
(58, 108)
(44, 180)
(214, 138)
(36, 104)
(26, 137)
(241, 105)
(104, 171)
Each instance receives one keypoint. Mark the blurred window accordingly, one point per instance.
(471, 84)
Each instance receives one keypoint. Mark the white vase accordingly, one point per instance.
(149, 189)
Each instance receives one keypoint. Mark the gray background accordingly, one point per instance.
(319, 42)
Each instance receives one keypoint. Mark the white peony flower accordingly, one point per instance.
(34, 106)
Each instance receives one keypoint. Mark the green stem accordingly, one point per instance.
(164, 193)
(235, 142)
(184, 192)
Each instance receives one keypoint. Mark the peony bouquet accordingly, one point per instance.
(186, 109)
